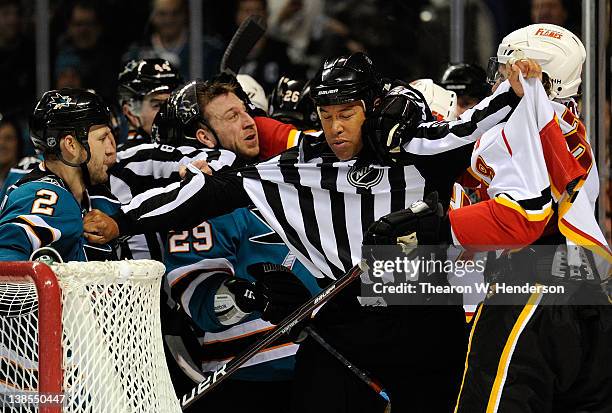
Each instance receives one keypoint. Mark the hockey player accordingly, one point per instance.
(469, 82)
(216, 273)
(143, 86)
(254, 91)
(180, 132)
(222, 96)
(290, 102)
(45, 208)
(141, 166)
(546, 352)
(345, 90)
(441, 102)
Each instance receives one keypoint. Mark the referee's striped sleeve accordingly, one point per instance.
(182, 205)
(145, 166)
(432, 138)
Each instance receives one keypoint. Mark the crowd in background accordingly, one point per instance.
(91, 39)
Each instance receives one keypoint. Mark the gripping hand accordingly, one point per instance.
(392, 121)
(420, 224)
(281, 290)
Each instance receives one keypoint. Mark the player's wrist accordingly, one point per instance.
(125, 226)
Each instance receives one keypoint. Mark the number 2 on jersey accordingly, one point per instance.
(44, 202)
(201, 239)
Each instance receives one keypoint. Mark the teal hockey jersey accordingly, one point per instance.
(39, 211)
(199, 260)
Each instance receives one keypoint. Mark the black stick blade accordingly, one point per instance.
(249, 33)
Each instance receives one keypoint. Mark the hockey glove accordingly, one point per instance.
(48, 255)
(423, 223)
(393, 121)
(281, 290)
(235, 299)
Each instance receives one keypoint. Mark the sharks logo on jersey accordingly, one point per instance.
(270, 237)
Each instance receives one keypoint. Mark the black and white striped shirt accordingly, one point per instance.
(148, 165)
(319, 205)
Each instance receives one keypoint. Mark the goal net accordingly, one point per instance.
(83, 337)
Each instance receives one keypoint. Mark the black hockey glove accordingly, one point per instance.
(423, 223)
(281, 290)
(245, 295)
(393, 121)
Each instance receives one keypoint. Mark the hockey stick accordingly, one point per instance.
(243, 41)
(363, 376)
(214, 378)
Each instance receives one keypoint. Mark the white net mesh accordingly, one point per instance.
(113, 359)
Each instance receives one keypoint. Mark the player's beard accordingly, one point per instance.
(97, 172)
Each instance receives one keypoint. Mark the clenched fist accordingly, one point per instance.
(201, 164)
(528, 67)
(99, 228)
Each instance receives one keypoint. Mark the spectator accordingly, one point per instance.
(83, 55)
(67, 69)
(17, 76)
(268, 59)
(11, 146)
(292, 21)
(168, 39)
(564, 13)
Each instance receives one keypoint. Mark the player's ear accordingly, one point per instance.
(206, 137)
(127, 111)
(69, 143)
(71, 148)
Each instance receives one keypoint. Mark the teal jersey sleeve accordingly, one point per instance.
(201, 259)
(105, 203)
(38, 214)
(197, 262)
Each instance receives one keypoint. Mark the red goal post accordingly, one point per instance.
(49, 325)
(82, 337)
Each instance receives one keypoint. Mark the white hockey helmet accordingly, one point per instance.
(560, 53)
(254, 91)
(441, 102)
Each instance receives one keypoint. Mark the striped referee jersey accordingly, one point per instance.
(321, 206)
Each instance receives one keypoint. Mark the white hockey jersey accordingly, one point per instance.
(539, 156)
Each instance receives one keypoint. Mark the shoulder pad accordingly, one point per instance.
(38, 175)
(27, 163)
